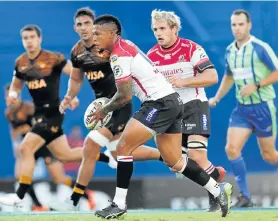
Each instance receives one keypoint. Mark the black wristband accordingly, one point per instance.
(258, 85)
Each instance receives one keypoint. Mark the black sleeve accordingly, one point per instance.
(18, 74)
(204, 65)
(61, 62)
(74, 60)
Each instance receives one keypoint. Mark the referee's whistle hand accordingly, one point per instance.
(247, 90)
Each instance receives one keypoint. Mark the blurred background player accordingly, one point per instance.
(20, 117)
(187, 67)
(20, 120)
(40, 70)
(252, 66)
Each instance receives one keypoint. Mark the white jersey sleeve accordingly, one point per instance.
(121, 67)
(198, 56)
(200, 59)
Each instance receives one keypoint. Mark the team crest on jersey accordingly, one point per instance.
(23, 68)
(113, 59)
(54, 129)
(167, 56)
(41, 65)
(118, 71)
(181, 58)
(155, 63)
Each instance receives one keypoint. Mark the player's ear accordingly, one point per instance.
(40, 39)
(250, 25)
(74, 27)
(175, 29)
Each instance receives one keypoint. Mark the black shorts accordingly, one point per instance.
(48, 123)
(45, 153)
(196, 119)
(119, 119)
(163, 115)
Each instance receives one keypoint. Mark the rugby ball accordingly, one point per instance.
(92, 108)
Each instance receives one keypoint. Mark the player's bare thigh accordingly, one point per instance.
(142, 153)
(169, 146)
(236, 139)
(62, 151)
(31, 143)
(134, 135)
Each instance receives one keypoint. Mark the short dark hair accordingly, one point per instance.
(31, 28)
(86, 11)
(109, 19)
(242, 11)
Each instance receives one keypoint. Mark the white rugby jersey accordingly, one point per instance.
(127, 61)
(182, 60)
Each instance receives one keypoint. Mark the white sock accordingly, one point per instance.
(120, 197)
(213, 187)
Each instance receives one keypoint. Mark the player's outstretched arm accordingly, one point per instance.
(68, 70)
(16, 86)
(122, 96)
(225, 86)
(75, 82)
(15, 90)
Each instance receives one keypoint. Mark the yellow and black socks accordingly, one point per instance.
(24, 185)
(71, 183)
(78, 192)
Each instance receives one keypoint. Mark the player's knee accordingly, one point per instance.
(167, 163)
(26, 149)
(269, 157)
(123, 148)
(90, 151)
(95, 138)
(180, 165)
(197, 150)
(232, 151)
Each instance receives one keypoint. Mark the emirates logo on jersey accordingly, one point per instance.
(172, 72)
(156, 71)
